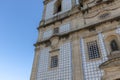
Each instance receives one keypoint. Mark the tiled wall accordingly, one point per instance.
(66, 5)
(63, 71)
(77, 1)
(91, 68)
(64, 28)
(47, 34)
(118, 30)
(43, 64)
(49, 10)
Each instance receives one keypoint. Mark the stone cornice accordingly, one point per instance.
(48, 39)
(88, 7)
(83, 27)
(67, 14)
(59, 17)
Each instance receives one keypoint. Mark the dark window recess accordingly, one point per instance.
(58, 6)
(93, 50)
(56, 30)
(110, 1)
(92, 29)
(54, 61)
(114, 46)
(48, 43)
(99, 1)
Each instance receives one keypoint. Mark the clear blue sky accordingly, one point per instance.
(18, 22)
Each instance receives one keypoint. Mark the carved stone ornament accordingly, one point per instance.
(111, 69)
(111, 63)
(54, 42)
(113, 60)
(104, 15)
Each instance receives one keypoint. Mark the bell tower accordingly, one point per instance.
(53, 52)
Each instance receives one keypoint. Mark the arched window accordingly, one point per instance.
(58, 6)
(114, 45)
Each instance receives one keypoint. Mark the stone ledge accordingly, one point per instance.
(60, 17)
(110, 63)
(114, 54)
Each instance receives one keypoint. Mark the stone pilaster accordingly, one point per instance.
(77, 63)
(35, 64)
(44, 12)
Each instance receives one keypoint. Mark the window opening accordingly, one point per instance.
(113, 45)
(54, 61)
(93, 50)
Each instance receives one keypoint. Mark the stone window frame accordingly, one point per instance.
(114, 46)
(93, 46)
(108, 39)
(89, 39)
(51, 54)
(54, 61)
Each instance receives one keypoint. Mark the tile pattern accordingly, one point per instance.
(47, 34)
(64, 69)
(66, 6)
(64, 28)
(91, 68)
(118, 30)
(77, 1)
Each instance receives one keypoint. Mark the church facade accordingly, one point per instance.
(78, 40)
